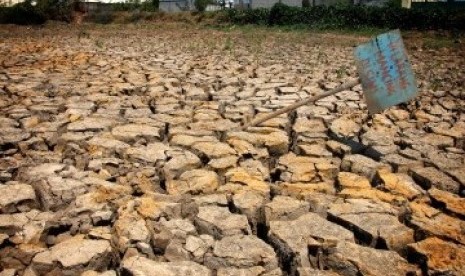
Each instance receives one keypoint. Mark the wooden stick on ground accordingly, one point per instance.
(287, 109)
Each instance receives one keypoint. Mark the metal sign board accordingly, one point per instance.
(385, 72)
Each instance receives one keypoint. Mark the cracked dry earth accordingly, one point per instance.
(118, 156)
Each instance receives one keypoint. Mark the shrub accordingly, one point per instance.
(26, 14)
(354, 17)
(56, 9)
(101, 17)
(256, 16)
(305, 3)
(201, 5)
(155, 4)
(150, 5)
(281, 14)
(21, 14)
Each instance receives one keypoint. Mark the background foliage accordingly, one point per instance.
(427, 17)
(354, 17)
(201, 5)
(21, 14)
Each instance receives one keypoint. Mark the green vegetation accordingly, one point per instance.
(306, 3)
(101, 17)
(201, 5)
(37, 12)
(342, 17)
(21, 14)
(56, 9)
(133, 5)
(353, 17)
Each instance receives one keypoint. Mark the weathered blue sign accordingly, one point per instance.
(385, 72)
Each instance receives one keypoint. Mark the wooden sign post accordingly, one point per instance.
(384, 71)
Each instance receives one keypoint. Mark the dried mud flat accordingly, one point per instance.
(118, 156)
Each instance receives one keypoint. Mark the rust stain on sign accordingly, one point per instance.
(385, 72)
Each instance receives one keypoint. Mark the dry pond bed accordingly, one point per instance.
(118, 156)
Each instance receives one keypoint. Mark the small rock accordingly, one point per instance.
(351, 259)
(100, 232)
(145, 267)
(252, 271)
(400, 184)
(43, 170)
(16, 197)
(436, 140)
(164, 232)
(193, 182)
(446, 160)
(175, 252)
(132, 132)
(398, 114)
(242, 251)
(13, 136)
(285, 208)
(75, 255)
(198, 246)
(219, 222)
(458, 175)
(344, 127)
(430, 221)
(101, 217)
(372, 194)
(320, 202)
(8, 272)
(441, 257)
(352, 181)
(180, 162)
(101, 146)
(304, 125)
(338, 148)
(304, 190)
(95, 273)
(223, 162)
(430, 177)
(315, 150)
(401, 164)
(240, 180)
(56, 192)
(91, 124)
(305, 271)
(375, 222)
(152, 153)
(451, 202)
(292, 238)
(129, 230)
(30, 122)
(25, 227)
(362, 165)
(213, 199)
(250, 204)
(153, 208)
(276, 141)
(214, 149)
(297, 168)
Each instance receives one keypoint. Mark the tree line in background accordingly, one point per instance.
(434, 17)
(39, 11)
(354, 17)
(33, 12)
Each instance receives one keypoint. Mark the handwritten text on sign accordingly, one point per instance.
(385, 72)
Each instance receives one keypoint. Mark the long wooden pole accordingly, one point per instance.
(287, 109)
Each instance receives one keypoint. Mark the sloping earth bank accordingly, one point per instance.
(118, 156)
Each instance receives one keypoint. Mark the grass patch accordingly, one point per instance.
(441, 42)
(299, 28)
